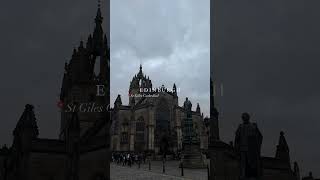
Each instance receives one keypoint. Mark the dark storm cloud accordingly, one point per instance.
(267, 60)
(37, 37)
(171, 41)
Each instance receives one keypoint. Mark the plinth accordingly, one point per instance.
(192, 157)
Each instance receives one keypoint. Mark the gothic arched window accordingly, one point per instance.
(125, 124)
(124, 138)
(140, 127)
(116, 127)
(162, 115)
(162, 120)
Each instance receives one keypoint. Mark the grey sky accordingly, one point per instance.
(171, 39)
(268, 61)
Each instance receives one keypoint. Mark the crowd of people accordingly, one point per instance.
(128, 159)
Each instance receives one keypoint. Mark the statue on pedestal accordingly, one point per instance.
(248, 142)
(191, 155)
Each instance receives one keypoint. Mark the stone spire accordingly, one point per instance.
(89, 42)
(118, 101)
(65, 79)
(283, 149)
(98, 40)
(198, 108)
(174, 89)
(27, 123)
(140, 74)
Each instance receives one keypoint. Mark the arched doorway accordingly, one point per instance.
(164, 145)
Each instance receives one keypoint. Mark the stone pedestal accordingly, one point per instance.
(192, 157)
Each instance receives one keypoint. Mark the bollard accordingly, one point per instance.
(149, 165)
(139, 165)
(163, 168)
(208, 171)
(182, 173)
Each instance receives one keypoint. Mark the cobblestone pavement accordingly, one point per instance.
(172, 172)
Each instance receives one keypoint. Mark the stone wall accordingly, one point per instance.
(94, 164)
(47, 166)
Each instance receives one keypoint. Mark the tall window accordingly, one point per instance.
(124, 135)
(162, 121)
(116, 127)
(140, 142)
(140, 127)
(124, 138)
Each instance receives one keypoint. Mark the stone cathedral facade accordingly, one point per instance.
(153, 120)
(81, 152)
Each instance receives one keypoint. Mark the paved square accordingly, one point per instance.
(172, 172)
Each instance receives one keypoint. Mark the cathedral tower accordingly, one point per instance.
(81, 83)
(139, 82)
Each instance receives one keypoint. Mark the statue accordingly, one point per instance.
(187, 105)
(248, 144)
(191, 154)
(188, 123)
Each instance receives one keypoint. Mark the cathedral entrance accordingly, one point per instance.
(164, 145)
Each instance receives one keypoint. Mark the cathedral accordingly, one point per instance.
(152, 121)
(82, 150)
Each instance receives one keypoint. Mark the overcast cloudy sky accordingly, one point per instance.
(171, 39)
